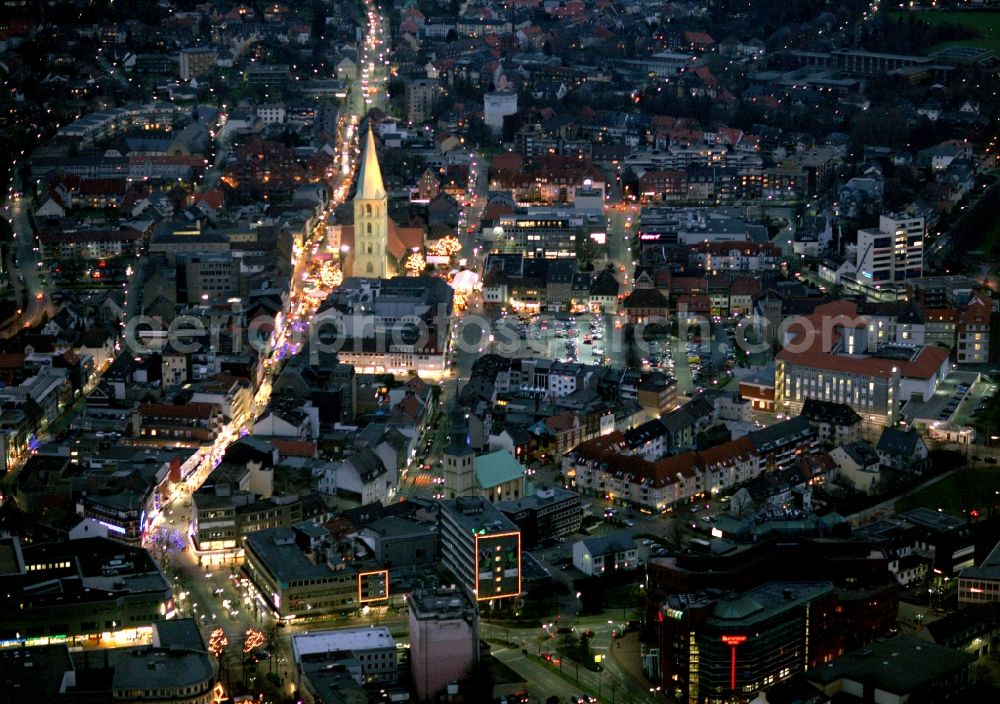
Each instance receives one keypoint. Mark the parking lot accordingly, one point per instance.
(955, 401)
(565, 337)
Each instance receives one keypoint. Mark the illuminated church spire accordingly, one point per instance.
(371, 216)
(370, 177)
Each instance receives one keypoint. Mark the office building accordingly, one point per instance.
(444, 639)
(177, 425)
(481, 547)
(745, 643)
(980, 584)
(548, 514)
(207, 278)
(537, 232)
(222, 516)
(290, 583)
(891, 253)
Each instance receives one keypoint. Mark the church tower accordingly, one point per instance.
(371, 216)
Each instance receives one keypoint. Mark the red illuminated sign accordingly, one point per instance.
(732, 641)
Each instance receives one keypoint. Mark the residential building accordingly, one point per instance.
(778, 445)
(835, 423)
(604, 466)
(903, 450)
(196, 62)
(973, 330)
(444, 639)
(272, 113)
(481, 547)
(892, 253)
(858, 466)
(184, 425)
(596, 557)
(88, 243)
(421, 99)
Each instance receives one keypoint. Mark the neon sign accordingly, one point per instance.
(733, 641)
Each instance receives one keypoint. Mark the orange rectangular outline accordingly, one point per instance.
(475, 565)
(362, 575)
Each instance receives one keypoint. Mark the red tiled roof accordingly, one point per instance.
(927, 363)
(212, 199)
(698, 38)
(294, 448)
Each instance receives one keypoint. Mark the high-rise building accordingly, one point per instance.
(421, 95)
(371, 216)
(893, 252)
(481, 547)
(444, 639)
(196, 61)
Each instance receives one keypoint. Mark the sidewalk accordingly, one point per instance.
(625, 657)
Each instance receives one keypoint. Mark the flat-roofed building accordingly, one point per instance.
(898, 669)
(289, 583)
(373, 647)
(481, 547)
(83, 590)
(444, 639)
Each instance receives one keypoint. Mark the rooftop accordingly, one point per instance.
(277, 549)
(342, 640)
(933, 520)
(767, 600)
(987, 569)
(902, 664)
(440, 604)
(476, 514)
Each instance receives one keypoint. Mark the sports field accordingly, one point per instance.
(986, 24)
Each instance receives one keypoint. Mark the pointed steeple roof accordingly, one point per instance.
(370, 177)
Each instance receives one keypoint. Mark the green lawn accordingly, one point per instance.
(958, 493)
(987, 24)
